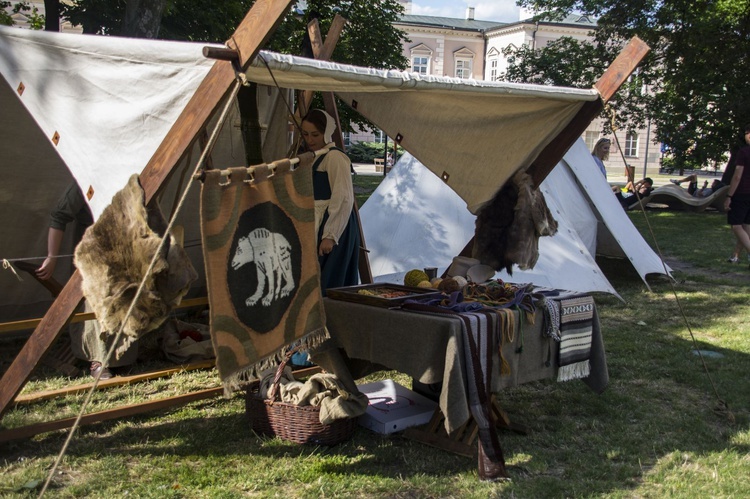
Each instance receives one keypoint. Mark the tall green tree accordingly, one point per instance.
(693, 85)
(35, 20)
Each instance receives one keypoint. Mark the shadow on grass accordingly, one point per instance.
(659, 405)
(659, 417)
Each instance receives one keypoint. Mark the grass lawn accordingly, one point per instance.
(660, 429)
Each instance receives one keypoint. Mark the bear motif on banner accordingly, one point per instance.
(271, 253)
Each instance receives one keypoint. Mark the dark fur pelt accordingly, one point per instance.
(508, 228)
(492, 229)
(115, 254)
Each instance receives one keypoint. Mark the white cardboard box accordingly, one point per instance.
(394, 408)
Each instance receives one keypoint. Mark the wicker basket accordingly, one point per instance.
(298, 424)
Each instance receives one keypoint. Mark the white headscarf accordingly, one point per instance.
(330, 126)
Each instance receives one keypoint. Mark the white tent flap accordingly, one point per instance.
(413, 220)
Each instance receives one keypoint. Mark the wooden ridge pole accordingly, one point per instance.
(251, 34)
(128, 410)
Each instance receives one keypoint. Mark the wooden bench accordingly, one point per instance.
(378, 164)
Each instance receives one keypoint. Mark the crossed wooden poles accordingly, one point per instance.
(250, 36)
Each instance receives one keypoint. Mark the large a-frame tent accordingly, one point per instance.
(53, 83)
(414, 220)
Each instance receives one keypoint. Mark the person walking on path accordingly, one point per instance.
(737, 203)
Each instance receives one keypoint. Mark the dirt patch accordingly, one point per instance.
(738, 271)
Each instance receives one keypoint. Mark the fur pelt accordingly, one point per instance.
(115, 254)
(508, 228)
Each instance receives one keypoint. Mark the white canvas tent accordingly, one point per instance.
(413, 220)
(111, 102)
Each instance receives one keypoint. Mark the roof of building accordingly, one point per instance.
(577, 20)
(449, 23)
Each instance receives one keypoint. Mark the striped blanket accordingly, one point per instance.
(480, 332)
(576, 326)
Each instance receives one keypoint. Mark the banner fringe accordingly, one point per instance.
(239, 379)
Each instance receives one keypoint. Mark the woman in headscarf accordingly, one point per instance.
(601, 154)
(335, 219)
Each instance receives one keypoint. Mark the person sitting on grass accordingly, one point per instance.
(693, 190)
(627, 195)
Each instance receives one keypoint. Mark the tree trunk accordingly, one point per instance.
(142, 18)
(247, 99)
(51, 15)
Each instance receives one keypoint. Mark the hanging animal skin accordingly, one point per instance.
(508, 228)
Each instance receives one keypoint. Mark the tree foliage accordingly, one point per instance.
(693, 84)
(35, 20)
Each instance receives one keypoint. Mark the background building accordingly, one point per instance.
(469, 48)
(473, 49)
(21, 19)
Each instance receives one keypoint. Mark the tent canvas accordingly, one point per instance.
(413, 220)
(537, 155)
(111, 102)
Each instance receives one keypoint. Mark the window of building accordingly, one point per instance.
(347, 138)
(464, 59)
(463, 68)
(590, 139)
(421, 56)
(420, 64)
(631, 144)
(493, 64)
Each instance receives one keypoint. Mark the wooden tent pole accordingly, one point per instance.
(251, 34)
(616, 74)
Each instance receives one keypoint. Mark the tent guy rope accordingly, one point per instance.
(722, 407)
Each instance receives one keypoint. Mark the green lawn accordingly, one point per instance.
(660, 429)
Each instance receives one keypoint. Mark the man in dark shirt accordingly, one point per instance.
(737, 203)
(70, 208)
(86, 342)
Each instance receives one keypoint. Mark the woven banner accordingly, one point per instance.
(261, 260)
(576, 327)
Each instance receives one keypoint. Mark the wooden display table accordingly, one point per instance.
(429, 348)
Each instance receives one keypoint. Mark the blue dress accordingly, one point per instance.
(340, 267)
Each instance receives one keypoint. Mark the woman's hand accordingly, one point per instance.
(727, 202)
(326, 246)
